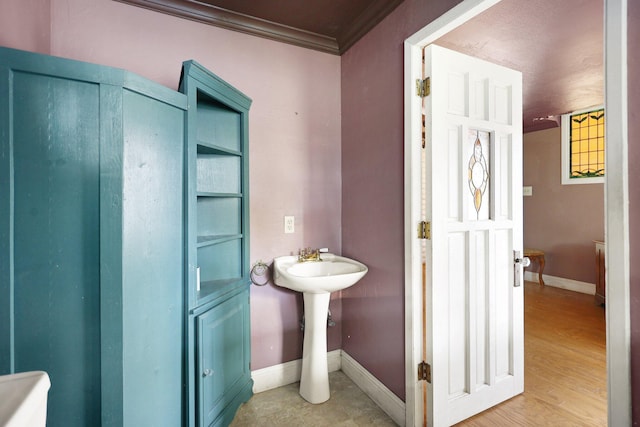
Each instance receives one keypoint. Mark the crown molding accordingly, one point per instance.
(224, 18)
(369, 18)
(219, 17)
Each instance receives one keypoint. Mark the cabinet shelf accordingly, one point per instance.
(208, 148)
(212, 194)
(214, 240)
(212, 289)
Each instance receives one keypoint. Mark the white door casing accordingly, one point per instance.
(616, 204)
(475, 331)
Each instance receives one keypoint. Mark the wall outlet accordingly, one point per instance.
(527, 191)
(289, 224)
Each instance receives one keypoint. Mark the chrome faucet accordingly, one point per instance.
(308, 254)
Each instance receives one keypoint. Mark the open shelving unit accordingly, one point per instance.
(219, 164)
(217, 246)
(217, 196)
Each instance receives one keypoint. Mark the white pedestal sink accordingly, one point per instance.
(316, 280)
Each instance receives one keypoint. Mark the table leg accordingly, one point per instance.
(540, 270)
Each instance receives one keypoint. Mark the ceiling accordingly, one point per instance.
(557, 45)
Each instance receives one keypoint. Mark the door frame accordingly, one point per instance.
(616, 205)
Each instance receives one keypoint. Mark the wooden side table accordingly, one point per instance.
(538, 256)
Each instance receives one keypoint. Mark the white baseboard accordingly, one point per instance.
(378, 392)
(560, 282)
(286, 373)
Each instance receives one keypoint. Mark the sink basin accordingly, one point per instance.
(332, 274)
(316, 280)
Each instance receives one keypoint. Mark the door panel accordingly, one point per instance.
(222, 357)
(473, 201)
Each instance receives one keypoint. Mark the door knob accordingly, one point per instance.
(519, 262)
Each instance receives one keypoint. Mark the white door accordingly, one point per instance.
(473, 200)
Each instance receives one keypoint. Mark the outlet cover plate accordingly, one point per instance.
(289, 224)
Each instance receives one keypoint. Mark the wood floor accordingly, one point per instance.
(565, 364)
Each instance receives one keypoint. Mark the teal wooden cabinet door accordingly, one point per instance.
(142, 247)
(222, 360)
(50, 264)
(92, 239)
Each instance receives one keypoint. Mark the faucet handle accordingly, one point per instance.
(323, 250)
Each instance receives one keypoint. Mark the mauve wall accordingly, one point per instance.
(562, 220)
(294, 126)
(372, 190)
(633, 48)
(25, 25)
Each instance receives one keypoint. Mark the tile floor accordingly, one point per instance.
(283, 407)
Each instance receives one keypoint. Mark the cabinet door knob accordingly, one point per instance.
(207, 372)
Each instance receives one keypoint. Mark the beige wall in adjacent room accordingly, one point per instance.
(562, 220)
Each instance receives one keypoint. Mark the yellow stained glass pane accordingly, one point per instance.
(593, 144)
(584, 145)
(593, 158)
(575, 148)
(584, 133)
(601, 157)
(601, 143)
(584, 159)
(601, 130)
(575, 160)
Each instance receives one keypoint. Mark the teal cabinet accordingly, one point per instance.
(91, 240)
(217, 246)
(124, 242)
(222, 345)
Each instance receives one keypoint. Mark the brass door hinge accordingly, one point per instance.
(424, 230)
(423, 87)
(424, 372)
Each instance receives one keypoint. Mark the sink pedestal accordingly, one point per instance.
(314, 382)
(316, 280)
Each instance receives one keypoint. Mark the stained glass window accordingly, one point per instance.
(587, 144)
(583, 142)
